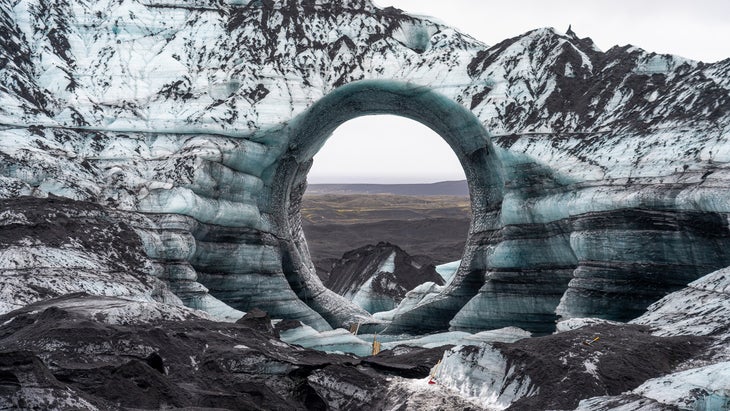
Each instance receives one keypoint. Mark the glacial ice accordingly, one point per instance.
(479, 373)
(169, 110)
(576, 323)
(421, 293)
(388, 265)
(186, 202)
(447, 270)
(216, 308)
(415, 35)
(508, 334)
(95, 254)
(244, 291)
(702, 308)
(370, 300)
(699, 309)
(701, 389)
(236, 258)
(338, 340)
(123, 311)
(171, 117)
(705, 388)
(411, 300)
(341, 340)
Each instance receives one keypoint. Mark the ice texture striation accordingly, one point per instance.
(51, 247)
(598, 179)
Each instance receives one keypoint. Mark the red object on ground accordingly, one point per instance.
(431, 382)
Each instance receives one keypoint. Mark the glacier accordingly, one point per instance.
(153, 159)
(598, 179)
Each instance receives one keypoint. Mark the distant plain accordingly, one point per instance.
(433, 227)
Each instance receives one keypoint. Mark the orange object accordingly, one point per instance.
(376, 345)
(592, 341)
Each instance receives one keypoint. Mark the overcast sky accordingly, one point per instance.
(362, 150)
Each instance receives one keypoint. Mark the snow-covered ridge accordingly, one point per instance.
(377, 277)
(142, 65)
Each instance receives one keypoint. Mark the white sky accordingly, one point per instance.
(361, 150)
(385, 149)
(695, 29)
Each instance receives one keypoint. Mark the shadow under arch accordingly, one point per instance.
(308, 133)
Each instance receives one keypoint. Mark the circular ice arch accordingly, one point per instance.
(461, 130)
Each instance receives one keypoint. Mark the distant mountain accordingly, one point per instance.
(442, 188)
(377, 277)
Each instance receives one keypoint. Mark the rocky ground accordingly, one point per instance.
(557, 371)
(104, 353)
(675, 356)
(50, 247)
(431, 228)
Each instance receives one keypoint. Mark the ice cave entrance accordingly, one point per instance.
(386, 210)
(307, 134)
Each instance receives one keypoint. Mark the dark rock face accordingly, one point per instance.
(72, 352)
(26, 383)
(199, 369)
(378, 277)
(624, 357)
(259, 321)
(410, 362)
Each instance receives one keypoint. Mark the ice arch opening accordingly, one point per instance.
(403, 231)
(461, 130)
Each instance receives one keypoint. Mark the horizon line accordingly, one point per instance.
(386, 184)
